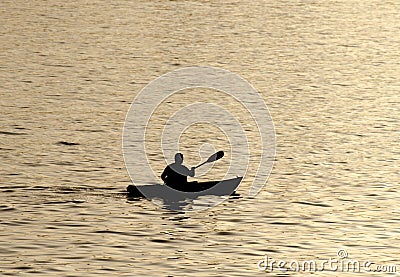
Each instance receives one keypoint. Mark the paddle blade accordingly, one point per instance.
(215, 156)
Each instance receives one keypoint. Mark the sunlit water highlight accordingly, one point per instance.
(328, 71)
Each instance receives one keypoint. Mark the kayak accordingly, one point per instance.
(189, 190)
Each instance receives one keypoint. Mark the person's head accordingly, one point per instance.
(178, 158)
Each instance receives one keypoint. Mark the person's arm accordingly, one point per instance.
(191, 172)
(183, 170)
(164, 175)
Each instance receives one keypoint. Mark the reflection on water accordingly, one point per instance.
(328, 72)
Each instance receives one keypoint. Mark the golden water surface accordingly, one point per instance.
(329, 72)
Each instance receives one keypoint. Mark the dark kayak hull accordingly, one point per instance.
(189, 190)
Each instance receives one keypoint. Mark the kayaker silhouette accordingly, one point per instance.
(175, 174)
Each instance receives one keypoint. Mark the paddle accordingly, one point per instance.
(212, 158)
